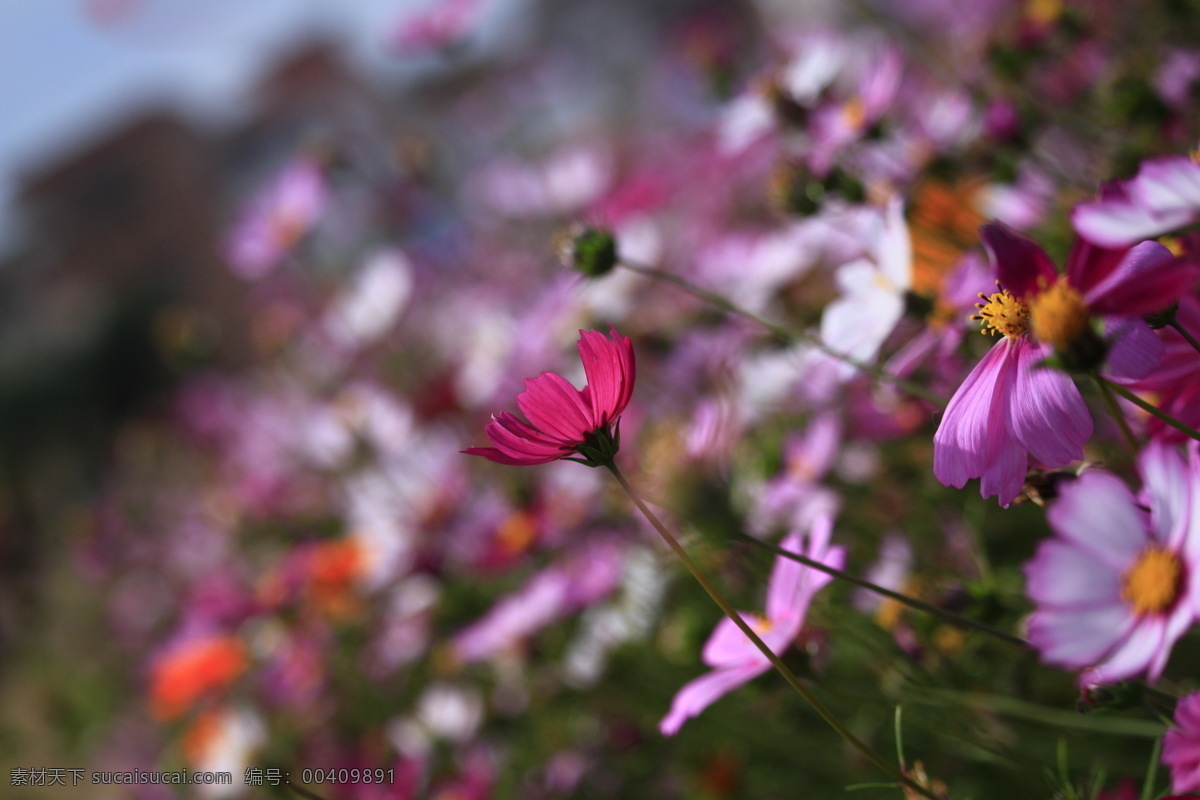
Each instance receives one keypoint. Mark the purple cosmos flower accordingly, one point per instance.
(1164, 195)
(1116, 586)
(734, 658)
(1181, 745)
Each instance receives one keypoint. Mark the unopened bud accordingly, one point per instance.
(590, 250)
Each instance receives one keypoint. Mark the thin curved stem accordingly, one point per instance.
(912, 602)
(784, 332)
(1187, 337)
(1152, 410)
(1111, 403)
(775, 661)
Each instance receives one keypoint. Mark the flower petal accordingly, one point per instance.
(1079, 637)
(500, 457)
(1168, 185)
(556, 407)
(1135, 350)
(1048, 416)
(1089, 264)
(1133, 655)
(727, 646)
(972, 440)
(1068, 577)
(1148, 279)
(1097, 514)
(1165, 480)
(1017, 260)
(702, 692)
(518, 440)
(604, 363)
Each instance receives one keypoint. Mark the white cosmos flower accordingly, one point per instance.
(872, 293)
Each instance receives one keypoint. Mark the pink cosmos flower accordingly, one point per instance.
(440, 26)
(1164, 195)
(1116, 587)
(1006, 408)
(1176, 381)
(1181, 745)
(277, 219)
(734, 658)
(558, 591)
(567, 421)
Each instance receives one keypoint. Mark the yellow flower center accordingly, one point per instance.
(854, 114)
(1003, 314)
(1060, 317)
(761, 625)
(1153, 583)
(1043, 12)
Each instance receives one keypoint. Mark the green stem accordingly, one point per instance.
(1187, 337)
(920, 605)
(1153, 411)
(785, 332)
(1111, 402)
(775, 661)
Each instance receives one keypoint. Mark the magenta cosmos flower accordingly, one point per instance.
(1181, 745)
(1117, 585)
(734, 658)
(565, 421)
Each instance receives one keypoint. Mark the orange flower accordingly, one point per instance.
(187, 673)
(333, 567)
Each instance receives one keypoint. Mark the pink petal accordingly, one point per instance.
(1177, 622)
(1018, 261)
(1068, 577)
(1165, 485)
(1149, 279)
(1097, 513)
(1168, 185)
(1135, 351)
(556, 407)
(518, 440)
(783, 587)
(1088, 264)
(1079, 637)
(972, 440)
(702, 692)
(1132, 656)
(500, 457)
(1112, 223)
(604, 364)
(1048, 416)
(727, 646)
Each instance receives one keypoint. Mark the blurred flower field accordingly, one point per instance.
(875, 323)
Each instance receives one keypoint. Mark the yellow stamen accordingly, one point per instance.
(1060, 316)
(1003, 314)
(1153, 583)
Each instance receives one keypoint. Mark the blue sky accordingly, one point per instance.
(67, 75)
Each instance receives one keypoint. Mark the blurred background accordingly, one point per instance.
(267, 267)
